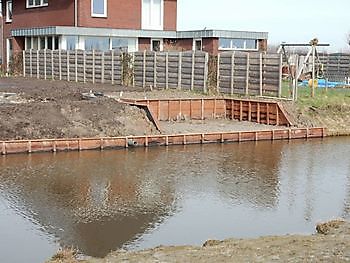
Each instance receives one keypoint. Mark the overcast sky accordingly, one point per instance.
(285, 20)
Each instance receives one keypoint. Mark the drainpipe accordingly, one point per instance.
(75, 13)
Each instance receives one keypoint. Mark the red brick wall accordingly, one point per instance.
(178, 45)
(170, 14)
(144, 44)
(58, 13)
(119, 15)
(211, 45)
(126, 14)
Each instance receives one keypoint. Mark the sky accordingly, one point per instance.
(296, 21)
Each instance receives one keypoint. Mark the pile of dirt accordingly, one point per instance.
(56, 110)
(332, 244)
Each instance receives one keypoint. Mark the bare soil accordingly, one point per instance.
(330, 244)
(55, 109)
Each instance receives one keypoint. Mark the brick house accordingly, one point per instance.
(132, 25)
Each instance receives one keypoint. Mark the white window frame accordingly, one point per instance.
(99, 15)
(244, 48)
(152, 27)
(8, 19)
(42, 4)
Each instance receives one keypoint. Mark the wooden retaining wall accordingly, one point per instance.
(270, 113)
(80, 144)
(249, 73)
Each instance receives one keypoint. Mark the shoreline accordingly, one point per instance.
(330, 243)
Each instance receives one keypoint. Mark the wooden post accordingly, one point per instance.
(155, 70)
(24, 63)
(167, 70)
(202, 109)
(103, 67)
(192, 70)
(122, 77)
(84, 66)
(247, 76)
(76, 66)
(179, 71)
(60, 63)
(37, 65)
(93, 66)
(261, 74)
(133, 69)
(68, 75)
(280, 77)
(232, 72)
(112, 67)
(52, 66)
(144, 70)
(205, 88)
(218, 74)
(45, 64)
(31, 62)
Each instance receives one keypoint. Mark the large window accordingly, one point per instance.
(99, 8)
(72, 42)
(152, 14)
(97, 43)
(8, 11)
(124, 44)
(37, 3)
(237, 43)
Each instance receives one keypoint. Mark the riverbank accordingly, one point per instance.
(330, 244)
(39, 109)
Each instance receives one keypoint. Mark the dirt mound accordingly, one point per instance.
(56, 110)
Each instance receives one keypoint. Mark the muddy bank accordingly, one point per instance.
(330, 244)
(334, 115)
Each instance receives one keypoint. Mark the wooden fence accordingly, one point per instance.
(336, 66)
(183, 70)
(236, 73)
(249, 73)
(77, 65)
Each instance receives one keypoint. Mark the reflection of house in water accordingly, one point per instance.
(94, 201)
(250, 174)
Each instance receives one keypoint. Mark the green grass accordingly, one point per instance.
(323, 97)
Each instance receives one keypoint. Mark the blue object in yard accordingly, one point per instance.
(323, 83)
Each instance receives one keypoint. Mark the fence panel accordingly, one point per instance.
(183, 70)
(237, 72)
(336, 66)
(74, 65)
(249, 73)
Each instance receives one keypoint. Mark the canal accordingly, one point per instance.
(140, 198)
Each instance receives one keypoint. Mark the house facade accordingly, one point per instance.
(131, 25)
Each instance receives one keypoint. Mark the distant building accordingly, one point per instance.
(133, 25)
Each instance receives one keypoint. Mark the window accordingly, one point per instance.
(97, 43)
(72, 42)
(152, 14)
(124, 44)
(237, 43)
(8, 11)
(197, 44)
(99, 8)
(157, 45)
(37, 3)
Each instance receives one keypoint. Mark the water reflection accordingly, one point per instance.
(101, 201)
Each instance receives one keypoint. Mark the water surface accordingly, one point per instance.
(140, 198)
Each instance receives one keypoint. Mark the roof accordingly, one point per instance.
(90, 31)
